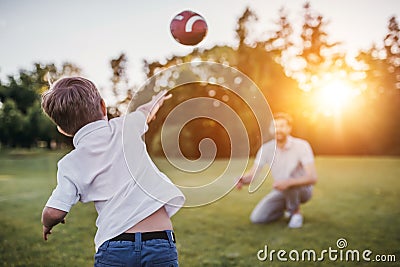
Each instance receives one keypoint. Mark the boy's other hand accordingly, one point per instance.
(46, 232)
(50, 218)
(157, 106)
(151, 108)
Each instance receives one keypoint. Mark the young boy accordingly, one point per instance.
(134, 200)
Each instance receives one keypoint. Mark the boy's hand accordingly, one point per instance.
(50, 218)
(150, 108)
(47, 230)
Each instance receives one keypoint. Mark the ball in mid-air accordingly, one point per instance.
(188, 28)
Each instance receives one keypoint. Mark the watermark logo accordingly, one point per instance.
(341, 243)
(339, 253)
(207, 181)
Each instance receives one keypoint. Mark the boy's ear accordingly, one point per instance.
(103, 107)
(63, 132)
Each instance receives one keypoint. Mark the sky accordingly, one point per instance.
(90, 33)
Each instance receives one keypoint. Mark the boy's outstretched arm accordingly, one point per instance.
(151, 108)
(50, 218)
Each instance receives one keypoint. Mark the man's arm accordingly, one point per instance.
(309, 178)
(262, 158)
(50, 218)
(248, 176)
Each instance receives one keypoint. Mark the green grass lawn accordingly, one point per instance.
(356, 198)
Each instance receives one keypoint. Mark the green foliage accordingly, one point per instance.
(22, 122)
(378, 108)
(12, 123)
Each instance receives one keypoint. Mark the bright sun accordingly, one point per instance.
(333, 96)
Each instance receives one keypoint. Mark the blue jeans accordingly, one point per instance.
(154, 253)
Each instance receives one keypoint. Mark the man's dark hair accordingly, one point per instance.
(284, 116)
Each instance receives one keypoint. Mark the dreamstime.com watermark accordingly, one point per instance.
(339, 253)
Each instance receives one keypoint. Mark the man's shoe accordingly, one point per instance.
(296, 221)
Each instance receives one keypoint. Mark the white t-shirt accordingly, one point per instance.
(288, 162)
(125, 187)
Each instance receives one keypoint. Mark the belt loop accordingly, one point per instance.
(171, 238)
(138, 241)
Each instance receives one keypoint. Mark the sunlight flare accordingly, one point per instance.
(333, 96)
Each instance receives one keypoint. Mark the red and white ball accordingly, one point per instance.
(188, 28)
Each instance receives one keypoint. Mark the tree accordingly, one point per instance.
(244, 25)
(262, 62)
(122, 93)
(318, 55)
(392, 49)
(22, 121)
(12, 123)
(281, 40)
